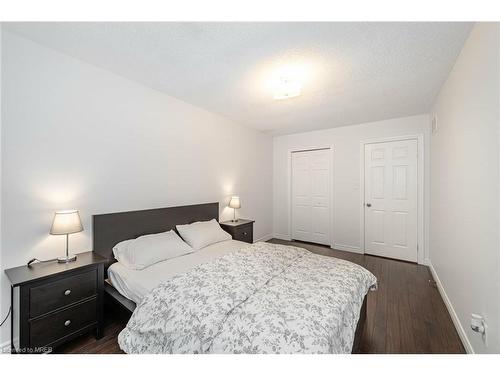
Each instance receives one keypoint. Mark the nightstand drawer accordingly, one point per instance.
(244, 233)
(52, 295)
(55, 326)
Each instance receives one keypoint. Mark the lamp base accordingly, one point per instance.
(67, 259)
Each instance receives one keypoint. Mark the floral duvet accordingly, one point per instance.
(265, 298)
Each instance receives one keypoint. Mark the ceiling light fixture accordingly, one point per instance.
(287, 88)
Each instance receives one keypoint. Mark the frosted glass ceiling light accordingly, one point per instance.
(287, 88)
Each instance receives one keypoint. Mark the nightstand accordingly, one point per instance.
(241, 230)
(54, 302)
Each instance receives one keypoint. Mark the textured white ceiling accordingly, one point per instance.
(352, 72)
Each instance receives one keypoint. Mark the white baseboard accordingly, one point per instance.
(343, 247)
(284, 237)
(454, 317)
(264, 238)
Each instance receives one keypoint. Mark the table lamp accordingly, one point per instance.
(66, 222)
(234, 203)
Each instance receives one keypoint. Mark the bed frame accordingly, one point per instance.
(109, 229)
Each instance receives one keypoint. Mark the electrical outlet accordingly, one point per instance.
(478, 325)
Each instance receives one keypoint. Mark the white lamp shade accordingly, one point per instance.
(66, 222)
(235, 202)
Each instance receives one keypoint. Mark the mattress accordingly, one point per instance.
(135, 284)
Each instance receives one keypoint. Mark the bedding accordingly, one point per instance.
(144, 251)
(202, 233)
(135, 284)
(263, 298)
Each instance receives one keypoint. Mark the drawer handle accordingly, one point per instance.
(244, 233)
(67, 322)
(67, 292)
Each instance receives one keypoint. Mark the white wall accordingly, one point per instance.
(2, 276)
(346, 145)
(76, 136)
(464, 236)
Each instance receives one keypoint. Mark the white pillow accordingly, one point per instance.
(144, 251)
(202, 233)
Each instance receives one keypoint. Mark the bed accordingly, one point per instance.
(136, 284)
(232, 297)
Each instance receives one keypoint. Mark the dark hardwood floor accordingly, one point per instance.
(405, 315)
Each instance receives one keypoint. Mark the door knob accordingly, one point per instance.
(368, 205)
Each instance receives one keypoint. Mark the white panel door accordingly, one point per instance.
(391, 199)
(311, 196)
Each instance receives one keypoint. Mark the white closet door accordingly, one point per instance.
(391, 199)
(311, 196)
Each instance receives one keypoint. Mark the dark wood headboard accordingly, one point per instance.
(109, 229)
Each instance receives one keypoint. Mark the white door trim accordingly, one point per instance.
(289, 187)
(420, 190)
